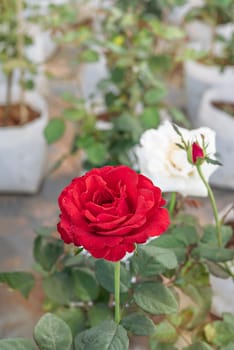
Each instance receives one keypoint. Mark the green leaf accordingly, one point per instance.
(74, 114)
(16, 344)
(177, 240)
(88, 56)
(126, 123)
(138, 324)
(155, 298)
(105, 276)
(228, 347)
(214, 254)
(164, 256)
(202, 297)
(117, 74)
(21, 281)
(58, 287)
(107, 336)
(45, 230)
(46, 251)
(155, 345)
(198, 346)
(217, 270)
(97, 153)
(155, 95)
(151, 260)
(54, 130)
(85, 284)
(179, 117)
(74, 317)
(150, 118)
(52, 333)
(221, 333)
(98, 313)
(209, 235)
(165, 332)
(145, 264)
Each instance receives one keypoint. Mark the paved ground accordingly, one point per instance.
(21, 214)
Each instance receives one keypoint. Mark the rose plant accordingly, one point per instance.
(168, 165)
(131, 95)
(97, 296)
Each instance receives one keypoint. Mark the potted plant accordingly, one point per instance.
(214, 63)
(217, 110)
(97, 296)
(23, 114)
(130, 95)
(207, 19)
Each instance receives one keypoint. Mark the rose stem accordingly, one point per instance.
(172, 203)
(117, 292)
(214, 206)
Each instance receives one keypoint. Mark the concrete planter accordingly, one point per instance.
(200, 77)
(23, 150)
(223, 124)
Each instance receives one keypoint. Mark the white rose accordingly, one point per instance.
(161, 160)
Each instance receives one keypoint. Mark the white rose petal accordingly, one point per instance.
(161, 160)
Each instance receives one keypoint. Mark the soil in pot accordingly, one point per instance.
(14, 118)
(226, 107)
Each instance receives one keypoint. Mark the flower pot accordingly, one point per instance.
(200, 77)
(23, 149)
(178, 13)
(223, 124)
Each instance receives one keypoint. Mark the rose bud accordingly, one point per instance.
(198, 154)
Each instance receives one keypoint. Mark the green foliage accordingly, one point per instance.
(74, 317)
(21, 281)
(14, 40)
(165, 332)
(155, 298)
(138, 324)
(220, 333)
(212, 12)
(151, 260)
(52, 333)
(105, 276)
(198, 346)
(85, 287)
(46, 251)
(79, 292)
(54, 130)
(16, 344)
(107, 336)
(133, 92)
(155, 345)
(99, 313)
(58, 287)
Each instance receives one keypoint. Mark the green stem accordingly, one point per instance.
(172, 203)
(117, 292)
(214, 206)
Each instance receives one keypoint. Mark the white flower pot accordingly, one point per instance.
(223, 289)
(200, 77)
(178, 13)
(43, 46)
(223, 124)
(23, 149)
(223, 292)
(201, 33)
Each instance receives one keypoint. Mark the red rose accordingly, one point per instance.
(197, 152)
(108, 210)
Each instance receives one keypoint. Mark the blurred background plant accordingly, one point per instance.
(140, 53)
(16, 67)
